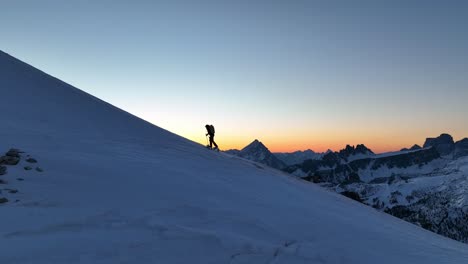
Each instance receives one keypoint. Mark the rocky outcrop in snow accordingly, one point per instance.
(13, 157)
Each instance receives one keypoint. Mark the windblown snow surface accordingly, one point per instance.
(116, 189)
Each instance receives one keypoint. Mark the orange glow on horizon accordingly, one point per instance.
(298, 145)
(378, 144)
(279, 137)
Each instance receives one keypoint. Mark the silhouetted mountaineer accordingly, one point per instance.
(211, 132)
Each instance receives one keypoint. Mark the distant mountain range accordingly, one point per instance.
(258, 152)
(427, 185)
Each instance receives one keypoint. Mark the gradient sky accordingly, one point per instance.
(294, 74)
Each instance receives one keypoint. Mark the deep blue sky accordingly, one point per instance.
(295, 74)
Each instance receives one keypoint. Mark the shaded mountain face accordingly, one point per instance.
(351, 152)
(444, 144)
(257, 152)
(461, 148)
(334, 169)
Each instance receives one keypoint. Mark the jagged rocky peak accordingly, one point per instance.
(361, 148)
(351, 150)
(461, 148)
(414, 147)
(256, 144)
(347, 150)
(444, 144)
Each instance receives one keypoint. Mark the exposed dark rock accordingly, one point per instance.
(20, 179)
(379, 180)
(377, 204)
(3, 170)
(351, 150)
(39, 169)
(347, 151)
(12, 190)
(362, 149)
(331, 159)
(461, 148)
(31, 160)
(13, 153)
(394, 197)
(9, 160)
(444, 144)
(353, 195)
(28, 168)
(399, 211)
(3, 181)
(3, 200)
(405, 160)
(351, 177)
(410, 198)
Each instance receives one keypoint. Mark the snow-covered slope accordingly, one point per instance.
(116, 189)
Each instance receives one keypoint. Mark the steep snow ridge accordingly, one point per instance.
(38, 103)
(396, 153)
(116, 189)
